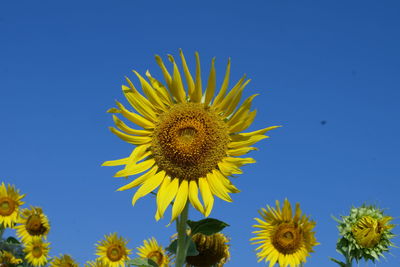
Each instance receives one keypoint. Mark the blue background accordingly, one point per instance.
(62, 64)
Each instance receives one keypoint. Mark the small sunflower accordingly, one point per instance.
(285, 238)
(33, 222)
(37, 251)
(10, 201)
(213, 250)
(63, 261)
(8, 259)
(113, 251)
(191, 140)
(96, 263)
(152, 250)
(365, 233)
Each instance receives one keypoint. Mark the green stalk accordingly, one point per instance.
(182, 237)
(348, 261)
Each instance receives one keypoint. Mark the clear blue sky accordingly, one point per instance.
(62, 64)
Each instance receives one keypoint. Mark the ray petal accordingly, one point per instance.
(207, 196)
(188, 76)
(136, 168)
(217, 187)
(139, 180)
(135, 118)
(224, 86)
(132, 139)
(149, 185)
(177, 88)
(123, 127)
(167, 197)
(193, 196)
(180, 200)
(198, 91)
(211, 84)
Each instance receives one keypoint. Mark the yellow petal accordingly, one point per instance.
(188, 76)
(164, 70)
(136, 140)
(240, 151)
(217, 187)
(134, 157)
(246, 142)
(139, 180)
(242, 112)
(150, 92)
(162, 191)
(180, 200)
(261, 131)
(223, 105)
(225, 84)
(228, 168)
(135, 118)
(227, 183)
(136, 168)
(139, 102)
(248, 119)
(176, 88)
(239, 161)
(193, 196)
(166, 197)
(235, 100)
(208, 198)
(198, 91)
(161, 90)
(122, 126)
(149, 185)
(211, 84)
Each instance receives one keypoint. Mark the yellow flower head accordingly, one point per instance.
(113, 251)
(151, 250)
(6, 258)
(33, 222)
(191, 139)
(285, 238)
(37, 251)
(10, 201)
(365, 233)
(63, 261)
(213, 250)
(368, 230)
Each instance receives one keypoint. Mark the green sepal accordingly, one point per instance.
(142, 262)
(207, 226)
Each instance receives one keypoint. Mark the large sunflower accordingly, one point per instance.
(152, 250)
(191, 140)
(33, 222)
(63, 261)
(37, 251)
(285, 238)
(10, 201)
(112, 251)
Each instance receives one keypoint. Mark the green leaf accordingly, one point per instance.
(142, 262)
(12, 240)
(342, 264)
(207, 226)
(173, 246)
(192, 250)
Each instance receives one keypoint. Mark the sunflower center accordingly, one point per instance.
(37, 251)
(34, 225)
(287, 239)
(7, 206)
(156, 256)
(115, 253)
(189, 140)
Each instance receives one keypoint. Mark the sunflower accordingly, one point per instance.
(151, 250)
(63, 261)
(113, 251)
(213, 250)
(365, 233)
(33, 222)
(37, 251)
(10, 201)
(8, 259)
(284, 238)
(191, 140)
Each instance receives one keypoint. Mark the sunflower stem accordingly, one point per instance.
(348, 261)
(182, 237)
(1, 231)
